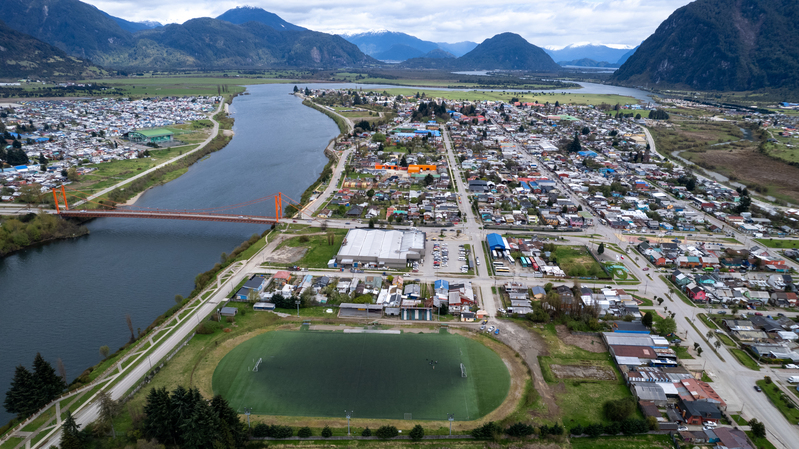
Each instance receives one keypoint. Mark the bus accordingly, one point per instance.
(502, 269)
(499, 264)
(510, 259)
(494, 253)
(522, 262)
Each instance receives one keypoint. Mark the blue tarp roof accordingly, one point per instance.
(441, 284)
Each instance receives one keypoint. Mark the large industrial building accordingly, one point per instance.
(389, 248)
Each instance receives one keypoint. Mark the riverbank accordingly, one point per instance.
(20, 232)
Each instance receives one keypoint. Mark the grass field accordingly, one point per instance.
(575, 261)
(376, 375)
(744, 359)
(566, 97)
(183, 86)
(771, 243)
(775, 395)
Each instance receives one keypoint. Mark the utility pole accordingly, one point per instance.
(450, 418)
(349, 415)
(297, 301)
(247, 411)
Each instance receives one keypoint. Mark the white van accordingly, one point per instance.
(793, 379)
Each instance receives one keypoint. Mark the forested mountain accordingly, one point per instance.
(23, 56)
(77, 28)
(394, 46)
(244, 14)
(721, 45)
(133, 27)
(507, 51)
(399, 52)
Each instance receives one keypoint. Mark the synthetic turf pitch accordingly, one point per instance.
(384, 376)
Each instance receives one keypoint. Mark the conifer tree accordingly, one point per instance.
(21, 397)
(48, 384)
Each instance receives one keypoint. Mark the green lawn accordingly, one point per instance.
(619, 442)
(726, 340)
(323, 373)
(708, 322)
(745, 359)
(775, 395)
(682, 352)
(183, 86)
(760, 443)
(771, 243)
(740, 421)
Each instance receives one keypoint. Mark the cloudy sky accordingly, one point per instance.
(542, 22)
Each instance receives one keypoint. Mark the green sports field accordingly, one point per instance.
(383, 376)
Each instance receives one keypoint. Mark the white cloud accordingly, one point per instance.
(555, 23)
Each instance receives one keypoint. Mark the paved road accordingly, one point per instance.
(214, 131)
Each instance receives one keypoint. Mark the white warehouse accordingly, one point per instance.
(390, 248)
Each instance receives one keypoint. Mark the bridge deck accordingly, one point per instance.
(169, 215)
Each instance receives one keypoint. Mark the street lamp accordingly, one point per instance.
(297, 301)
(247, 411)
(349, 415)
(450, 418)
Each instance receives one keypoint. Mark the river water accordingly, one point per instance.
(67, 298)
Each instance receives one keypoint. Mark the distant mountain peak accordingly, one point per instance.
(244, 14)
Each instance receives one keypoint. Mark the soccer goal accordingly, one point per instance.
(258, 363)
(463, 370)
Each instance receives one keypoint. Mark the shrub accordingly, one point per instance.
(417, 433)
(326, 432)
(619, 409)
(520, 430)
(260, 430)
(577, 430)
(594, 430)
(487, 431)
(366, 432)
(612, 428)
(304, 432)
(386, 432)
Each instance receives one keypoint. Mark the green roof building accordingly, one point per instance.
(150, 135)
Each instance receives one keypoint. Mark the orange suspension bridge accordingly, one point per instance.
(221, 213)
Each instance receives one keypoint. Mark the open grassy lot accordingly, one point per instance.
(635, 442)
(775, 395)
(318, 251)
(580, 400)
(183, 86)
(744, 358)
(566, 97)
(322, 373)
(576, 261)
(778, 243)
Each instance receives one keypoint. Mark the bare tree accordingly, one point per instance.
(717, 344)
(109, 408)
(62, 370)
(130, 327)
(104, 350)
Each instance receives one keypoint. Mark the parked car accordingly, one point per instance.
(496, 332)
(791, 366)
(758, 389)
(482, 328)
(682, 428)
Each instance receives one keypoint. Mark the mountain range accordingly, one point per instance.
(395, 46)
(597, 52)
(720, 45)
(23, 56)
(506, 51)
(241, 37)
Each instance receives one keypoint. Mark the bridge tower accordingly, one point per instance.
(278, 205)
(64, 195)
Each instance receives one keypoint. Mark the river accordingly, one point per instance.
(67, 298)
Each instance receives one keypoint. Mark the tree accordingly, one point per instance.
(326, 432)
(717, 344)
(699, 351)
(304, 432)
(574, 146)
(21, 397)
(109, 409)
(178, 299)
(520, 430)
(296, 89)
(371, 223)
(417, 433)
(660, 301)
(370, 193)
(601, 248)
(129, 322)
(594, 430)
(48, 384)
(386, 432)
(758, 428)
(620, 409)
(428, 179)
(647, 319)
(70, 433)
(366, 432)
(104, 351)
(157, 423)
(586, 131)
(666, 326)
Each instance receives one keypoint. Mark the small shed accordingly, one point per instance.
(229, 311)
(263, 306)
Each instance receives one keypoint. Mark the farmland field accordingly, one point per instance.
(385, 376)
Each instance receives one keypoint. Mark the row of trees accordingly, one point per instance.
(187, 420)
(32, 390)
